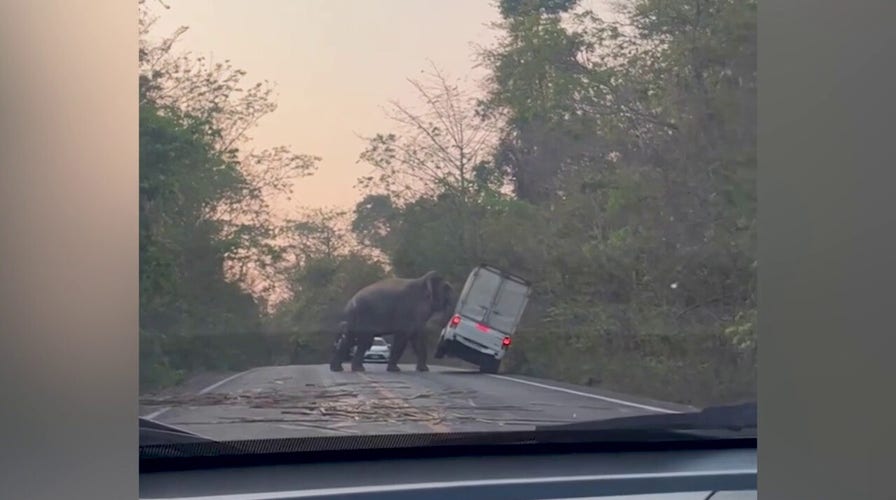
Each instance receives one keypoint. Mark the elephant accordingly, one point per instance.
(399, 307)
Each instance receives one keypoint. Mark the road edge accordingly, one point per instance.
(630, 400)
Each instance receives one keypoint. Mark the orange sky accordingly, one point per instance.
(335, 64)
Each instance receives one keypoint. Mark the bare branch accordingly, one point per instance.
(433, 149)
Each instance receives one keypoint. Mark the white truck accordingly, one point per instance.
(488, 311)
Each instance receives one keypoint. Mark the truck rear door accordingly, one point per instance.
(478, 294)
(491, 303)
(508, 306)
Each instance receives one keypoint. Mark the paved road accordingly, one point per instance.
(309, 400)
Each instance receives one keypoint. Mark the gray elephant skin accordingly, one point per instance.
(399, 307)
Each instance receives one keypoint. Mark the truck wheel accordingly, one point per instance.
(490, 366)
(440, 350)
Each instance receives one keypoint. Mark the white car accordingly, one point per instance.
(379, 351)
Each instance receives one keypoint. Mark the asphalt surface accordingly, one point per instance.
(309, 400)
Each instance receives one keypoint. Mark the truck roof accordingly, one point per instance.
(504, 273)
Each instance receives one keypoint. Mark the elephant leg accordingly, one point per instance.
(340, 351)
(418, 342)
(363, 345)
(399, 344)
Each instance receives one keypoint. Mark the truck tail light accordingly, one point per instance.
(455, 320)
(506, 342)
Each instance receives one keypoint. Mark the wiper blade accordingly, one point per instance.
(717, 418)
(154, 433)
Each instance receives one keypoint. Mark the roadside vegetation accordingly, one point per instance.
(613, 164)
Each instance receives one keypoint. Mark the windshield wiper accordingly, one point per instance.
(154, 433)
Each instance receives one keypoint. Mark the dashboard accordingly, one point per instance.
(720, 474)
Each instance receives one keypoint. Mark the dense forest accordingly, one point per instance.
(613, 164)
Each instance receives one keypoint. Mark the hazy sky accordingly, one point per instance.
(336, 63)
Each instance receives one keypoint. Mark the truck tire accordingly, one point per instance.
(440, 350)
(490, 365)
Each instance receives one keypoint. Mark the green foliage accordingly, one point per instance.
(516, 8)
(184, 291)
(631, 152)
(322, 286)
(205, 225)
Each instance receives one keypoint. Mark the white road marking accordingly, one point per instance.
(282, 495)
(158, 413)
(222, 382)
(587, 395)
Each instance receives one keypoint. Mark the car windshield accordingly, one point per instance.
(377, 218)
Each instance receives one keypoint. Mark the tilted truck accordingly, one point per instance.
(487, 314)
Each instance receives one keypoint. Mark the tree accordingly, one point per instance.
(443, 148)
(537, 79)
(631, 150)
(183, 287)
(205, 224)
(327, 267)
(215, 99)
